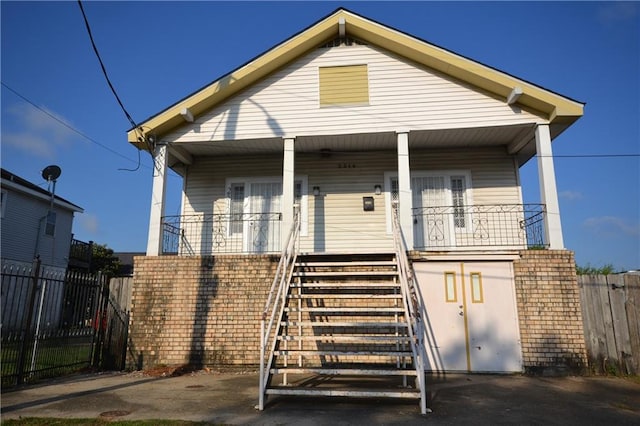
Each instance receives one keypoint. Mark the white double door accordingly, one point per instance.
(438, 200)
(255, 214)
(470, 316)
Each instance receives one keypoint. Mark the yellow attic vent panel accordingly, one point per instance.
(344, 85)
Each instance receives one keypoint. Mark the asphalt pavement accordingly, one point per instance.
(231, 397)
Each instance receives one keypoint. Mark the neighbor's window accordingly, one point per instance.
(344, 85)
(50, 224)
(3, 202)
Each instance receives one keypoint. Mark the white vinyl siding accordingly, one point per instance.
(336, 220)
(401, 95)
(25, 217)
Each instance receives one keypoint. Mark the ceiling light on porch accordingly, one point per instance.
(316, 190)
(377, 189)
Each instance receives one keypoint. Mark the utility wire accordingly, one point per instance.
(134, 125)
(104, 70)
(90, 139)
(73, 129)
(67, 125)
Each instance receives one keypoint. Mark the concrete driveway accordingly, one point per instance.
(229, 398)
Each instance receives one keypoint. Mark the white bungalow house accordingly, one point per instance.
(348, 120)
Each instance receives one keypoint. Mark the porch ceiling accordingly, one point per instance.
(518, 139)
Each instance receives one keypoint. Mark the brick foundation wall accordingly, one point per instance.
(549, 311)
(203, 310)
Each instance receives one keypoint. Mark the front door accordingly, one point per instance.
(470, 316)
(263, 219)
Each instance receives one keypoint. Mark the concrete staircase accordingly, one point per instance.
(344, 330)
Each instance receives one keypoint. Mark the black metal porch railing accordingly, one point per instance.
(221, 233)
(512, 226)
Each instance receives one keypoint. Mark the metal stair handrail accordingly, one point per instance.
(276, 301)
(413, 306)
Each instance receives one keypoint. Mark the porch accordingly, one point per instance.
(454, 190)
(436, 228)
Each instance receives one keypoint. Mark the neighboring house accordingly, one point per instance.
(349, 120)
(126, 262)
(35, 225)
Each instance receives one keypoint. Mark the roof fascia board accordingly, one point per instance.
(57, 201)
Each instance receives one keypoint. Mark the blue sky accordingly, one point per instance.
(159, 52)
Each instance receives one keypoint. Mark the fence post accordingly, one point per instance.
(101, 316)
(26, 335)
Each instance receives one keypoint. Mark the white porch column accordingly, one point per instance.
(288, 187)
(404, 189)
(154, 243)
(548, 191)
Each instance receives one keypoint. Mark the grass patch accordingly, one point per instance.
(48, 421)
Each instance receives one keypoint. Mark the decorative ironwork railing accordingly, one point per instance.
(498, 225)
(221, 233)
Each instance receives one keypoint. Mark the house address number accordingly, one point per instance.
(346, 165)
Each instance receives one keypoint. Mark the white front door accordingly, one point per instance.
(438, 200)
(262, 221)
(470, 315)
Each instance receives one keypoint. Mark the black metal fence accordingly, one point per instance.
(221, 233)
(57, 322)
(513, 226)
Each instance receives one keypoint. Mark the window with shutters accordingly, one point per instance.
(344, 85)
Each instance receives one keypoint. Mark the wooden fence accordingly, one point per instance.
(611, 315)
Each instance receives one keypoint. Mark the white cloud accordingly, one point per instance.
(37, 133)
(611, 226)
(88, 223)
(571, 195)
(614, 12)
(29, 142)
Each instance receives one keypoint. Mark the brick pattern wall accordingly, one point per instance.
(549, 311)
(202, 310)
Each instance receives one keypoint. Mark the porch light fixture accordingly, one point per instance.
(377, 189)
(316, 190)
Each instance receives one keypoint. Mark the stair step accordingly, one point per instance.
(345, 371)
(412, 394)
(343, 273)
(344, 296)
(347, 263)
(293, 353)
(349, 339)
(346, 284)
(346, 309)
(343, 324)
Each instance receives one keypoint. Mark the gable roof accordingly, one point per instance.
(558, 109)
(13, 181)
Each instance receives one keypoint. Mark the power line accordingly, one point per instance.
(591, 155)
(73, 129)
(104, 70)
(24, 98)
(67, 125)
(134, 125)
